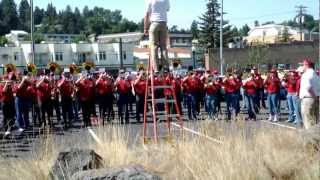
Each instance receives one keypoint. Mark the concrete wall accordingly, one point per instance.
(276, 54)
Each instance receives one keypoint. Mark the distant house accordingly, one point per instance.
(60, 38)
(17, 36)
(269, 34)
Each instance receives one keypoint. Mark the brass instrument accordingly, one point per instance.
(54, 67)
(10, 68)
(32, 68)
(73, 69)
(88, 65)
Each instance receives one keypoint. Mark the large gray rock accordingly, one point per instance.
(124, 173)
(73, 161)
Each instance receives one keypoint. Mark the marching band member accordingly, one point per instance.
(251, 88)
(212, 89)
(7, 102)
(259, 100)
(191, 86)
(140, 86)
(272, 84)
(123, 88)
(86, 88)
(290, 83)
(22, 103)
(44, 88)
(230, 84)
(67, 92)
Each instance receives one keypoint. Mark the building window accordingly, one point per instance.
(124, 54)
(16, 56)
(59, 56)
(102, 56)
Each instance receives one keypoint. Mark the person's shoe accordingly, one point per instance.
(20, 130)
(290, 121)
(275, 118)
(270, 118)
(7, 133)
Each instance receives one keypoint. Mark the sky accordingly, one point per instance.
(183, 12)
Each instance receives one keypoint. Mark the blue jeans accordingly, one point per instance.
(191, 105)
(211, 104)
(291, 99)
(22, 112)
(298, 120)
(232, 101)
(273, 103)
(250, 104)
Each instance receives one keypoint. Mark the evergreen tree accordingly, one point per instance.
(194, 30)
(285, 36)
(24, 15)
(244, 30)
(38, 15)
(210, 26)
(10, 20)
(256, 23)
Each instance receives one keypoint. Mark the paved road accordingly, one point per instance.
(31, 142)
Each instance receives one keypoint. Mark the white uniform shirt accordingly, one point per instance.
(158, 10)
(309, 80)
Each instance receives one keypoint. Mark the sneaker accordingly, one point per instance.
(275, 119)
(7, 133)
(290, 121)
(270, 118)
(20, 130)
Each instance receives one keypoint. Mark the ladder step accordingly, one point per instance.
(162, 87)
(164, 117)
(162, 101)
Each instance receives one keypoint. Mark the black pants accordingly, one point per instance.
(123, 107)
(8, 109)
(105, 106)
(139, 106)
(67, 111)
(86, 107)
(46, 108)
(36, 114)
(56, 106)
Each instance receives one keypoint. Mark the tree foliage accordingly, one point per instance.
(194, 29)
(210, 26)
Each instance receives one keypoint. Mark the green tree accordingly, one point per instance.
(174, 29)
(3, 40)
(256, 23)
(210, 26)
(244, 30)
(38, 15)
(9, 16)
(194, 30)
(24, 15)
(285, 35)
(258, 54)
(38, 38)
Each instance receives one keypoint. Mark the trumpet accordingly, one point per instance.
(53, 67)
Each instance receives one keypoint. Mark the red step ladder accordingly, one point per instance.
(159, 118)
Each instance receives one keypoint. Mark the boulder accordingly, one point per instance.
(123, 173)
(73, 161)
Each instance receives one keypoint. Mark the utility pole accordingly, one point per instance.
(221, 41)
(32, 33)
(300, 18)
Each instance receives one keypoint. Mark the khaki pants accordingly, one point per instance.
(158, 39)
(310, 112)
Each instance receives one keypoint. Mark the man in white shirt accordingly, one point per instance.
(155, 25)
(309, 95)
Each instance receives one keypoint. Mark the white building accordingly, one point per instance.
(269, 34)
(103, 55)
(60, 38)
(16, 37)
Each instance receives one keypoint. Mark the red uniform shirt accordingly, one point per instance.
(259, 81)
(66, 89)
(6, 96)
(192, 84)
(22, 92)
(123, 86)
(140, 87)
(230, 85)
(177, 85)
(298, 85)
(212, 88)
(101, 86)
(273, 85)
(43, 91)
(86, 90)
(291, 84)
(250, 87)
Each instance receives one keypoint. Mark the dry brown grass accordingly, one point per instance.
(263, 154)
